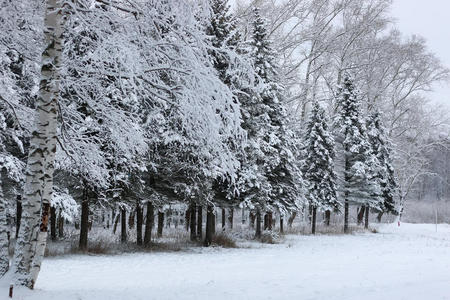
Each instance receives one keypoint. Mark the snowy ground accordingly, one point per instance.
(407, 262)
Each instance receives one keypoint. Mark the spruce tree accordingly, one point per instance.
(270, 174)
(223, 37)
(360, 187)
(318, 165)
(386, 175)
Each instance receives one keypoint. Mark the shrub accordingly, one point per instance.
(223, 240)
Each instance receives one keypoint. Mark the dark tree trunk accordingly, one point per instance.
(380, 214)
(327, 217)
(360, 217)
(53, 223)
(258, 224)
(187, 218)
(131, 220)
(266, 221)
(60, 226)
(230, 217)
(291, 218)
(199, 223)
(148, 224)
(123, 226)
(193, 225)
(160, 223)
(313, 222)
(209, 226)
(366, 219)
(139, 220)
(281, 224)
(223, 219)
(18, 214)
(252, 219)
(84, 228)
(269, 221)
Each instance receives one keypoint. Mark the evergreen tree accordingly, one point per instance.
(382, 151)
(318, 165)
(223, 37)
(360, 187)
(270, 173)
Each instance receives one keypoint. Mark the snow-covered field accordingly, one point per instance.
(407, 262)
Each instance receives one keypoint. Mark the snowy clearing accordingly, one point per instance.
(407, 262)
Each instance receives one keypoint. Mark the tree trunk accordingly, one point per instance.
(199, 223)
(269, 220)
(187, 218)
(116, 222)
(346, 215)
(366, 219)
(327, 217)
(252, 219)
(258, 224)
(38, 187)
(18, 214)
(4, 253)
(360, 216)
(193, 225)
(83, 244)
(131, 220)
(160, 223)
(209, 226)
(230, 217)
(380, 214)
(60, 225)
(148, 224)
(281, 224)
(223, 219)
(139, 220)
(313, 222)
(291, 218)
(53, 223)
(123, 226)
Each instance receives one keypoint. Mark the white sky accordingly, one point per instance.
(431, 20)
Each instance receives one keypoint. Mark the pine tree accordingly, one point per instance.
(223, 37)
(360, 185)
(318, 165)
(386, 175)
(270, 173)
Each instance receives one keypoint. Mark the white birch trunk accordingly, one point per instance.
(4, 255)
(38, 188)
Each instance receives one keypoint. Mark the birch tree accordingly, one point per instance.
(40, 166)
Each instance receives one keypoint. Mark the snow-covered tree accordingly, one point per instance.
(360, 185)
(382, 150)
(318, 165)
(38, 187)
(270, 173)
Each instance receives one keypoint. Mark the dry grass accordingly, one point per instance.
(270, 237)
(224, 240)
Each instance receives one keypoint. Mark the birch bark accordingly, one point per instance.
(38, 188)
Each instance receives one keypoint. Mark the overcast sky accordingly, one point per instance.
(431, 20)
